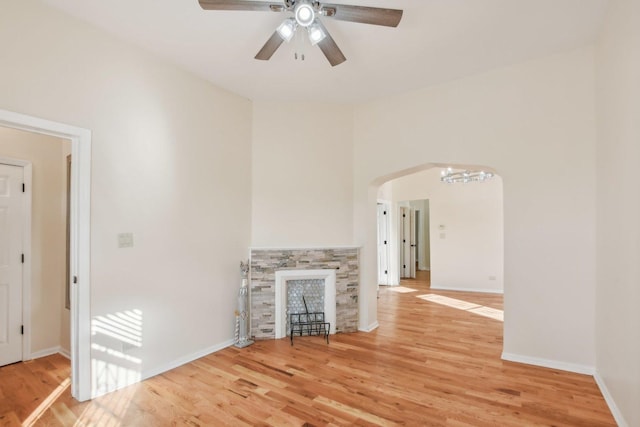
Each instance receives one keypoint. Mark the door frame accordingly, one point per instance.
(404, 241)
(27, 175)
(412, 243)
(418, 240)
(387, 224)
(80, 240)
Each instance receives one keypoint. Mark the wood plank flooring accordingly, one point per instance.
(428, 364)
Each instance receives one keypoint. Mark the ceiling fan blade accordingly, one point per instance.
(270, 47)
(363, 14)
(330, 49)
(259, 6)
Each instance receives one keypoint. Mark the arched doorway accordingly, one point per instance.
(466, 228)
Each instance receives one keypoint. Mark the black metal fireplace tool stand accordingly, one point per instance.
(309, 323)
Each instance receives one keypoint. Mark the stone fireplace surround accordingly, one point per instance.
(265, 263)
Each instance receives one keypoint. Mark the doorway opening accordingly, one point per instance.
(451, 234)
(34, 233)
(79, 241)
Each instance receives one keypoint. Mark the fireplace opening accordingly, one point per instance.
(301, 291)
(319, 290)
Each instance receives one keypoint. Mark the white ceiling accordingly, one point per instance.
(436, 41)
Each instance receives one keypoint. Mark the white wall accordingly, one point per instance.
(302, 175)
(171, 163)
(385, 192)
(618, 226)
(48, 234)
(468, 253)
(534, 123)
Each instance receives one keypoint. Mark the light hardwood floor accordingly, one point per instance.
(428, 364)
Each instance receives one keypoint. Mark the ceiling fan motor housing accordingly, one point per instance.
(304, 13)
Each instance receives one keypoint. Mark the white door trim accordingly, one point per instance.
(405, 242)
(80, 231)
(412, 243)
(383, 278)
(27, 173)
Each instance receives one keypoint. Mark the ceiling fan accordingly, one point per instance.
(305, 15)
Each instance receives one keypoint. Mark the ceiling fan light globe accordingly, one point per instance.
(305, 15)
(287, 29)
(316, 34)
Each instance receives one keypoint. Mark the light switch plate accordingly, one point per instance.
(125, 240)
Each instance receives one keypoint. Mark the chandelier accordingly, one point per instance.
(449, 176)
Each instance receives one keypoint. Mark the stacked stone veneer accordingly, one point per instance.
(265, 263)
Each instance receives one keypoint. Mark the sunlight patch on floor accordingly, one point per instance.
(493, 313)
(108, 410)
(449, 302)
(46, 403)
(481, 310)
(400, 289)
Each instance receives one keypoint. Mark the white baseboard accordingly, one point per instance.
(546, 363)
(145, 375)
(185, 359)
(370, 328)
(48, 352)
(617, 415)
(484, 291)
(580, 369)
(65, 353)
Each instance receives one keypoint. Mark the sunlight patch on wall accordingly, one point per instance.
(481, 310)
(116, 344)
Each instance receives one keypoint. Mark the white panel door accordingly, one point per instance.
(412, 241)
(11, 217)
(383, 245)
(405, 243)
